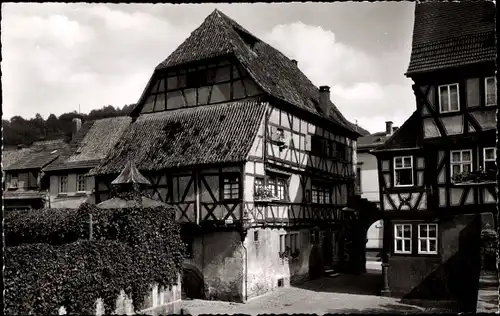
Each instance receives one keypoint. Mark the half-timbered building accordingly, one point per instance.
(437, 172)
(24, 186)
(68, 184)
(257, 160)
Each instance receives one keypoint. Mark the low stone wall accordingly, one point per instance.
(159, 302)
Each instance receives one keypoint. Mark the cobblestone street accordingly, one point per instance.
(341, 294)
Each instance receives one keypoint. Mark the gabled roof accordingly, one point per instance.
(187, 137)
(276, 74)
(9, 157)
(91, 144)
(372, 140)
(405, 137)
(39, 154)
(452, 34)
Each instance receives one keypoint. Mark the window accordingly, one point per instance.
(279, 187)
(80, 183)
(402, 238)
(231, 187)
(490, 157)
(321, 194)
(461, 161)
(448, 98)
(63, 184)
(427, 238)
(258, 184)
(289, 242)
(403, 171)
(490, 91)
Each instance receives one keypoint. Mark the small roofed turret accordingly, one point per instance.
(127, 190)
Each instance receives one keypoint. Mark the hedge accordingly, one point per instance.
(131, 250)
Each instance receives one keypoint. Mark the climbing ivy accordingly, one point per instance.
(50, 261)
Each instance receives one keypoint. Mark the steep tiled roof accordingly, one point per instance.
(187, 137)
(91, 144)
(39, 155)
(451, 34)
(372, 140)
(9, 157)
(276, 74)
(405, 136)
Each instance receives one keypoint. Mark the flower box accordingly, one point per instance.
(477, 176)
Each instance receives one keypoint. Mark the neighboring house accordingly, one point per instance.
(24, 181)
(437, 172)
(69, 185)
(368, 185)
(257, 160)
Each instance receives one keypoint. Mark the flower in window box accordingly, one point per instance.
(264, 194)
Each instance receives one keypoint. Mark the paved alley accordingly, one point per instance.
(340, 294)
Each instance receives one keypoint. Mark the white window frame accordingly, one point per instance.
(449, 97)
(60, 182)
(403, 238)
(486, 91)
(428, 239)
(402, 168)
(461, 163)
(78, 183)
(484, 156)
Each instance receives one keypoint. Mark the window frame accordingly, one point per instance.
(403, 168)
(60, 184)
(323, 194)
(461, 163)
(78, 175)
(236, 182)
(489, 160)
(486, 91)
(428, 239)
(403, 238)
(449, 97)
(285, 240)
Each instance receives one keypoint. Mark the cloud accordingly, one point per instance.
(356, 79)
(92, 55)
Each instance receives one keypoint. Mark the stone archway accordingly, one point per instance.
(358, 217)
(193, 284)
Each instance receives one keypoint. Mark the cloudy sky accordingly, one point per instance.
(59, 56)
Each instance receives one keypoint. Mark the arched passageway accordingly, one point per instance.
(374, 244)
(193, 285)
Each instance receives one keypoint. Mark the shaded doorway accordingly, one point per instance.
(192, 283)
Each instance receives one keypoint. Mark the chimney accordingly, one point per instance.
(295, 62)
(388, 128)
(324, 98)
(77, 124)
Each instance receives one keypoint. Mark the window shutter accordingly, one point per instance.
(472, 92)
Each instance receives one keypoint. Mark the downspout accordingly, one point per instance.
(246, 269)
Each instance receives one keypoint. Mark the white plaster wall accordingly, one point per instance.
(369, 176)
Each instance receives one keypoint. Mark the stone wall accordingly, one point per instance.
(265, 269)
(159, 302)
(219, 258)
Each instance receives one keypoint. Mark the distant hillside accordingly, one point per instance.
(19, 131)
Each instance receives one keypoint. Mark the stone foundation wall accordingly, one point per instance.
(159, 302)
(266, 271)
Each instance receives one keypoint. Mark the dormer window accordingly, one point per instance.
(490, 91)
(449, 98)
